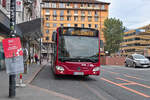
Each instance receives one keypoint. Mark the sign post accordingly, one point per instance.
(12, 77)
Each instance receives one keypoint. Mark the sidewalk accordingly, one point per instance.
(28, 92)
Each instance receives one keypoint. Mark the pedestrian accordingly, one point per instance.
(36, 58)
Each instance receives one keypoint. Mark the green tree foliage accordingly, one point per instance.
(113, 33)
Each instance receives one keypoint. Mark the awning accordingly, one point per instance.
(31, 29)
(5, 25)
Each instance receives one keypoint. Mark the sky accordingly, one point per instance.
(133, 13)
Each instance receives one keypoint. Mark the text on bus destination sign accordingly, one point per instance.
(79, 32)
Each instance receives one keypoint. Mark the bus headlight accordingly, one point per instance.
(96, 69)
(60, 68)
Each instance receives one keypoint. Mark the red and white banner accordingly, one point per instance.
(12, 47)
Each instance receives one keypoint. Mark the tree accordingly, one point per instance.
(113, 33)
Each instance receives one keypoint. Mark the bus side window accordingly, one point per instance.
(54, 37)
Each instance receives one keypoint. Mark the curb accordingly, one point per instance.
(35, 74)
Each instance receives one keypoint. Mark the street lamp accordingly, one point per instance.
(41, 29)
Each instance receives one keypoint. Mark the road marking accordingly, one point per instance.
(129, 89)
(110, 71)
(126, 75)
(53, 93)
(146, 86)
(127, 83)
(101, 97)
(135, 77)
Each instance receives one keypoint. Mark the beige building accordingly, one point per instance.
(137, 41)
(79, 13)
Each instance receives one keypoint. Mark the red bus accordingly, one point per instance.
(76, 51)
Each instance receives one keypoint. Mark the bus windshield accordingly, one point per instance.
(78, 48)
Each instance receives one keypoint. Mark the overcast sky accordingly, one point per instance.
(133, 13)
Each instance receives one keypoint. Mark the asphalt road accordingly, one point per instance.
(114, 83)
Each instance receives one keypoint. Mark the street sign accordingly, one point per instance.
(13, 55)
(14, 65)
(19, 5)
(12, 47)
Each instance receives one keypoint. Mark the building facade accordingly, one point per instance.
(28, 12)
(73, 13)
(136, 41)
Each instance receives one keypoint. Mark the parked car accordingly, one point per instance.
(137, 60)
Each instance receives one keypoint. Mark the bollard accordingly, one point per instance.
(20, 84)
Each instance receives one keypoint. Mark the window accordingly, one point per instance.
(103, 7)
(96, 25)
(68, 18)
(89, 25)
(54, 12)
(90, 18)
(96, 19)
(53, 5)
(61, 18)
(47, 25)
(82, 5)
(47, 38)
(61, 5)
(76, 12)
(96, 6)
(47, 11)
(75, 18)
(89, 13)
(54, 18)
(89, 5)
(61, 12)
(47, 18)
(82, 18)
(68, 11)
(82, 25)
(61, 25)
(54, 24)
(68, 4)
(47, 5)
(82, 12)
(47, 31)
(68, 25)
(96, 13)
(75, 5)
(76, 25)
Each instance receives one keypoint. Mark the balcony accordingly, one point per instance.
(75, 14)
(89, 7)
(82, 14)
(69, 14)
(68, 6)
(89, 14)
(47, 13)
(83, 7)
(96, 15)
(96, 7)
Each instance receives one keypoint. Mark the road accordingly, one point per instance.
(114, 83)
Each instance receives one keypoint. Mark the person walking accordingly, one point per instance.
(36, 58)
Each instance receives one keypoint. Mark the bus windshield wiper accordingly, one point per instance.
(90, 59)
(63, 59)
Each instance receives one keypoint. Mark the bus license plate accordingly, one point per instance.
(78, 73)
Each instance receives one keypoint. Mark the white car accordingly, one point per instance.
(137, 60)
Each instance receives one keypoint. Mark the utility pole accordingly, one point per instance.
(12, 77)
(41, 30)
